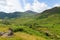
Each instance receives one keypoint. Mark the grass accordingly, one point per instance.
(25, 34)
(20, 36)
(33, 28)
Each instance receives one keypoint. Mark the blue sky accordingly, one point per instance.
(50, 2)
(47, 3)
(24, 5)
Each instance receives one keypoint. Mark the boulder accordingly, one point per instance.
(1, 33)
(10, 32)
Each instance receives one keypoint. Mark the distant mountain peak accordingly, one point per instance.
(29, 11)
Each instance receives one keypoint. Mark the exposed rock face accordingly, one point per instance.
(10, 32)
(7, 34)
(1, 33)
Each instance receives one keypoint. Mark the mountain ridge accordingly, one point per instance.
(46, 13)
(16, 14)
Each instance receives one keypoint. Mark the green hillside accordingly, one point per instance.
(48, 21)
(45, 25)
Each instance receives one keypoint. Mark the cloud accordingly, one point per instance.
(36, 6)
(10, 6)
(56, 5)
(28, 7)
(16, 5)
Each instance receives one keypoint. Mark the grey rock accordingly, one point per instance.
(1, 33)
(10, 32)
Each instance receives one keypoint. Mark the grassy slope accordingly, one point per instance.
(29, 34)
(47, 21)
(22, 36)
(51, 20)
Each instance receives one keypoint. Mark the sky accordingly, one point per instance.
(24, 5)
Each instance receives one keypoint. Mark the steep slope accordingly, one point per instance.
(50, 21)
(47, 22)
(51, 16)
(46, 13)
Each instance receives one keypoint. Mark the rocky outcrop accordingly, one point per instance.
(1, 33)
(7, 34)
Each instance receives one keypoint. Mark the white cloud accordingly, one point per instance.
(16, 5)
(36, 6)
(11, 6)
(56, 5)
(39, 7)
(28, 7)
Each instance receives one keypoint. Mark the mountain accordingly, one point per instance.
(45, 25)
(49, 12)
(29, 11)
(16, 14)
(47, 22)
